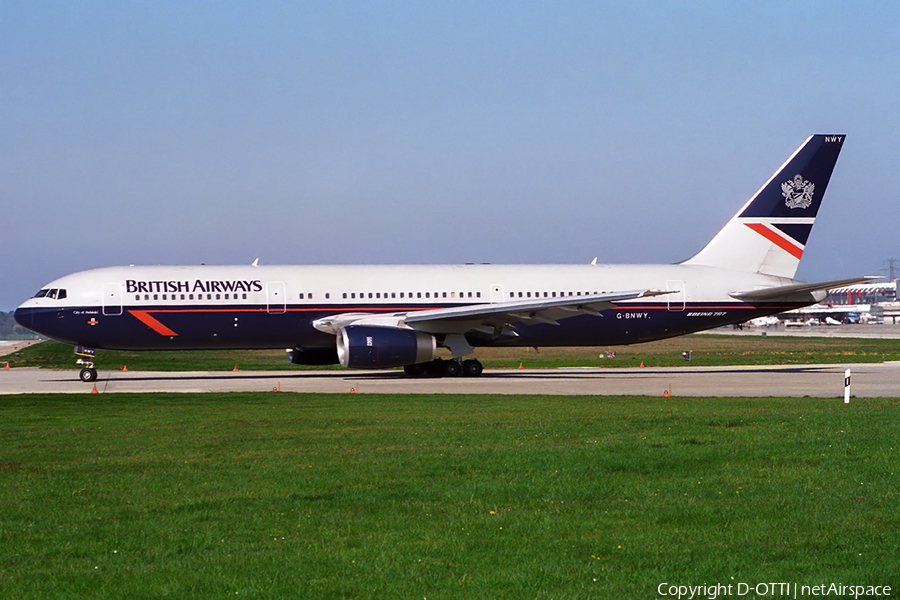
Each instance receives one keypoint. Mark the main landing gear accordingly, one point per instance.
(459, 346)
(445, 368)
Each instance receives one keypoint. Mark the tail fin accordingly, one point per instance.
(769, 233)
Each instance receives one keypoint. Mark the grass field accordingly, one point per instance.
(316, 496)
(706, 350)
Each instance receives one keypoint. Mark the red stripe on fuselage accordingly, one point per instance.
(154, 324)
(151, 322)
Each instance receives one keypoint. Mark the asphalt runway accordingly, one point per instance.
(820, 381)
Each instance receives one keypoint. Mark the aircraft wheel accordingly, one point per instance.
(452, 368)
(472, 368)
(88, 375)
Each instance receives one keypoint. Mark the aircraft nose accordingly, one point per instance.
(24, 317)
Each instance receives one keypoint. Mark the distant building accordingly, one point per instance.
(861, 303)
(862, 293)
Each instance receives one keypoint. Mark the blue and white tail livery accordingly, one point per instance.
(769, 233)
(381, 316)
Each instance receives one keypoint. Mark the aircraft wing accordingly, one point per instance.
(798, 292)
(496, 319)
(489, 318)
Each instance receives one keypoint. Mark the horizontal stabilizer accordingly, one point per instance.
(798, 291)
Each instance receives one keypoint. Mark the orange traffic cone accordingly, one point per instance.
(520, 366)
(665, 393)
(642, 364)
(94, 391)
(235, 369)
(6, 365)
(124, 368)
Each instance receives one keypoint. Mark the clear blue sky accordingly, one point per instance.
(432, 132)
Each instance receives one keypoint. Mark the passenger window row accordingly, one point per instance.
(549, 294)
(147, 297)
(410, 295)
(61, 293)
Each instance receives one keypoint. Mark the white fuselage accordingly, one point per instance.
(192, 306)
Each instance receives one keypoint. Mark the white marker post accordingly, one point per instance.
(847, 386)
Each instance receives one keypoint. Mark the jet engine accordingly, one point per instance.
(373, 347)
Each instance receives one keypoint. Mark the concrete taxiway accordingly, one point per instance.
(10, 346)
(822, 381)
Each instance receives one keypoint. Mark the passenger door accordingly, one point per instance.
(676, 301)
(112, 299)
(275, 297)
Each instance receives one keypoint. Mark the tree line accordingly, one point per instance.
(10, 330)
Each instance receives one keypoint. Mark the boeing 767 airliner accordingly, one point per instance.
(397, 316)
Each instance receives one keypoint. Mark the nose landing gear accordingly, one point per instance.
(88, 373)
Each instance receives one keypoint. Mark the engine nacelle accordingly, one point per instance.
(312, 356)
(373, 347)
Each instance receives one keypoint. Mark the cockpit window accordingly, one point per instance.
(54, 293)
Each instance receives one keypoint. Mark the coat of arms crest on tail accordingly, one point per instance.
(797, 192)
